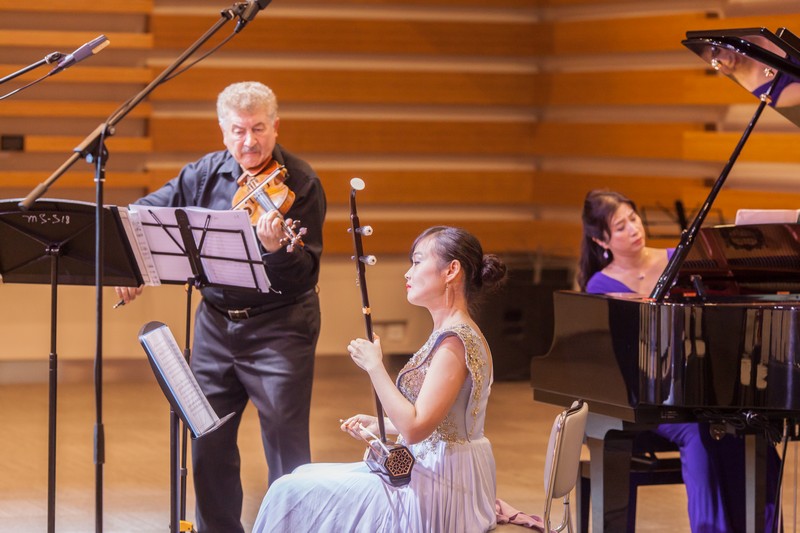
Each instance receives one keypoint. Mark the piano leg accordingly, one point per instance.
(610, 461)
(755, 453)
(610, 470)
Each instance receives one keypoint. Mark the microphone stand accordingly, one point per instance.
(49, 58)
(94, 151)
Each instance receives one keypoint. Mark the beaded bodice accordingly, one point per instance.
(466, 417)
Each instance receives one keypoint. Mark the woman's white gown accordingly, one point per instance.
(452, 486)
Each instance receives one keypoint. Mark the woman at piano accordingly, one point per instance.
(615, 259)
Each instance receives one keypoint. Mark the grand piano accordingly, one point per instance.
(717, 340)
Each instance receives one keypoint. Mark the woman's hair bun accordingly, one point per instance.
(493, 272)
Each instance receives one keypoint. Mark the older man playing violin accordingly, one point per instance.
(249, 345)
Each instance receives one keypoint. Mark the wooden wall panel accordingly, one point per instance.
(76, 179)
(477, 96)
(338, 136)
(519, 89)
(672, 87)
(373, 36)
(439, 137)
(657, 33)
(501, 237)
(765, 147)
(569, 189)
(497, 116)
(79, 6)
(71, 39)
(470, 189)
(61, 108)
(87, 74)
(350, 86)
(65, 144)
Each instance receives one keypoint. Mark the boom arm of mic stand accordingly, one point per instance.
(226, 16)
(49, 58)
(82, 150)
(85, 148)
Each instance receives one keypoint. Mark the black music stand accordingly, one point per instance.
(177, 380)
(53, 243)
(200, 248)
(94, 151)
(186, 400)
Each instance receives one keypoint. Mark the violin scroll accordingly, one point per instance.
(293, 235)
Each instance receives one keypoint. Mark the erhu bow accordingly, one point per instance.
(393, 462)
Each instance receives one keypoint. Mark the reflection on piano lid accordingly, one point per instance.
(744, 260)
(766, 64)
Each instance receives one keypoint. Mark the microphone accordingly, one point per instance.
(84, 51)
(250, 12)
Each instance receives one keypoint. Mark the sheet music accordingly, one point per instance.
(161, 346)
(133, 228)
(767, 216)
(228, 247)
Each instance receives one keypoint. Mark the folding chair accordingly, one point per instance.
(562, 461)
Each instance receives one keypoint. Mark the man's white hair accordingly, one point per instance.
(248, 97)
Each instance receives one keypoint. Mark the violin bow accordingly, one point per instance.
(361, 260)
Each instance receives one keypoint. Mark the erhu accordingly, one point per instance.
(391, 461)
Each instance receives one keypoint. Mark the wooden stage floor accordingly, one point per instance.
(136, 483)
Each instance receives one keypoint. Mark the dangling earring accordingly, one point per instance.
(605, 254)
(447, 294)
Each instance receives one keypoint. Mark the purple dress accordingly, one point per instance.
(713, 470)
(784, 81)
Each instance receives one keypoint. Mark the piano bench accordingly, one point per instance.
(645, 470)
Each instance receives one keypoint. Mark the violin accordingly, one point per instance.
(393, 462)
(266, 191)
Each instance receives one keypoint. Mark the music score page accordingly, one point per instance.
(229, 251)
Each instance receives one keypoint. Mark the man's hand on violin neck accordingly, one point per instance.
(270, 231)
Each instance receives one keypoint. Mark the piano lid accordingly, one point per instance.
(765, 64)
(768, 66)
